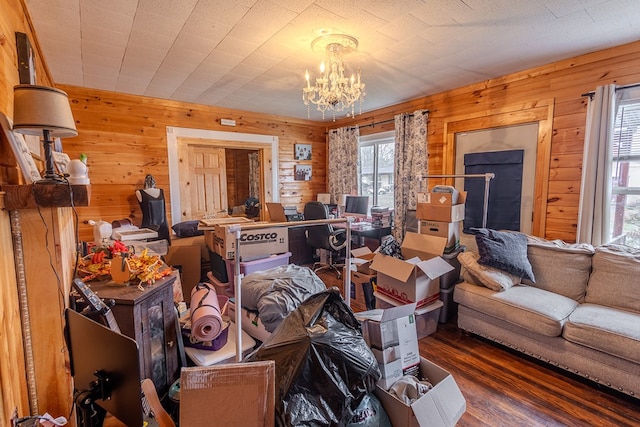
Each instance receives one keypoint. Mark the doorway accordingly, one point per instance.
(265, 145)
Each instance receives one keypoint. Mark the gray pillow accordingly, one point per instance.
(504, 250)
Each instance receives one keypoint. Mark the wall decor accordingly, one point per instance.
(302, 152)
(303, 173)
(26, 60)
(20, 150)
(60, 161)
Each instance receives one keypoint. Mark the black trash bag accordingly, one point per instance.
(324, 368)
(370, 413)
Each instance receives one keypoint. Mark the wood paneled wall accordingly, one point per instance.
(14, 393)
(237, 176)
(124, 137)
(564, 82)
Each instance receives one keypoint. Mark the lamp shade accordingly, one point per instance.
(38, 108)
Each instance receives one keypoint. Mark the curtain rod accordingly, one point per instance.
(590, 94)
(372, 124)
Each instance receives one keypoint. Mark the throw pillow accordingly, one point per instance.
(504, 250)
(187, 229)
(482, 275)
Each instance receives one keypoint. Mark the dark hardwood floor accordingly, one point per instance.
(506, 388)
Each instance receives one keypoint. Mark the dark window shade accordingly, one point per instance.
(505, 190)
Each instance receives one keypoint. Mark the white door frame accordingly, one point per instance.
(173, 133)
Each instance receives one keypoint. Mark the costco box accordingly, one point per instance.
(440, 207)
(391, 334)
(442, 406)
(253, 243)
(426, 317)
(449, 230)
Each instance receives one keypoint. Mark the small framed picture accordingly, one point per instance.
(303, 173)
(21, 151)
(60, 161)
(302, 152)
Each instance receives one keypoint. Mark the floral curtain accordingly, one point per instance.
(344, 166)
(254, 175)
(410, 164)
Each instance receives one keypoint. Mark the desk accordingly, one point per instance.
(366, 230)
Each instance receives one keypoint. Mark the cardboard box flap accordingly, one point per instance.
(448, 402)
(442, 199)
(360, 252)
(435, 267)
(394, 267)
(423, 246)
(387, 314)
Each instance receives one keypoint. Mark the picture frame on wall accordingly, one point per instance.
(21, 151)
(303, 173)
(302, 152)
(26, 59)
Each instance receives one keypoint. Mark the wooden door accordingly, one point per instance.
(202, 171)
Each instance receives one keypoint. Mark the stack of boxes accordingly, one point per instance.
(260, 249)
(441, 214)
(391, 334)
(363, 279)
(414, 280)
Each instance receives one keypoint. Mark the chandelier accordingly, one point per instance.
(332, 90)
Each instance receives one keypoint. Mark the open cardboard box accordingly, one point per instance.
(442, 406)
(415, 279)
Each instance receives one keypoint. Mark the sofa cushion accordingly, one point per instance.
(529, 307)
(482, 275)
(606, 329)
(504, 250)
(560, 267)
(615, 278)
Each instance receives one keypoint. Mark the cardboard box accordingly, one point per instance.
(439, 207)
(232, 395)
(422, 246)
(185, 254)
(449, 230)
(415, 279)
(362, 288)
(253, 243)
(442, 406)
(361, 258)
(391, 334)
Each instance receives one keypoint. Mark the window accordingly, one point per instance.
(624, 223)
(377, 168)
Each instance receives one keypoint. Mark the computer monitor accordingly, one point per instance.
(357, 205)
(105, 369)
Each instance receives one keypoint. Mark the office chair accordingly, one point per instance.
(324, 236)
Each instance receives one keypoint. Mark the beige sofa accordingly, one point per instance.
(582, 314)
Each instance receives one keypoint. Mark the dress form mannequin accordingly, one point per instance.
(154, 215)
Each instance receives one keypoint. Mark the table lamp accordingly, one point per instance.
(42, 110)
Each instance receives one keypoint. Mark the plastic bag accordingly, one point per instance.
(324, 368)
(370, 413)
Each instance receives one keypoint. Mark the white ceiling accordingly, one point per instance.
(252, 54)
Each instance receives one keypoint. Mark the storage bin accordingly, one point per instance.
(449, 307)
(447, 280)
(426, 317)
(247, 267)
(218, 267)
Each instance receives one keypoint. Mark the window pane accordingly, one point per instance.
(385, 174)
(624, 223)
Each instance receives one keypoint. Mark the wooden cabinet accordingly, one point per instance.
(149, 318)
